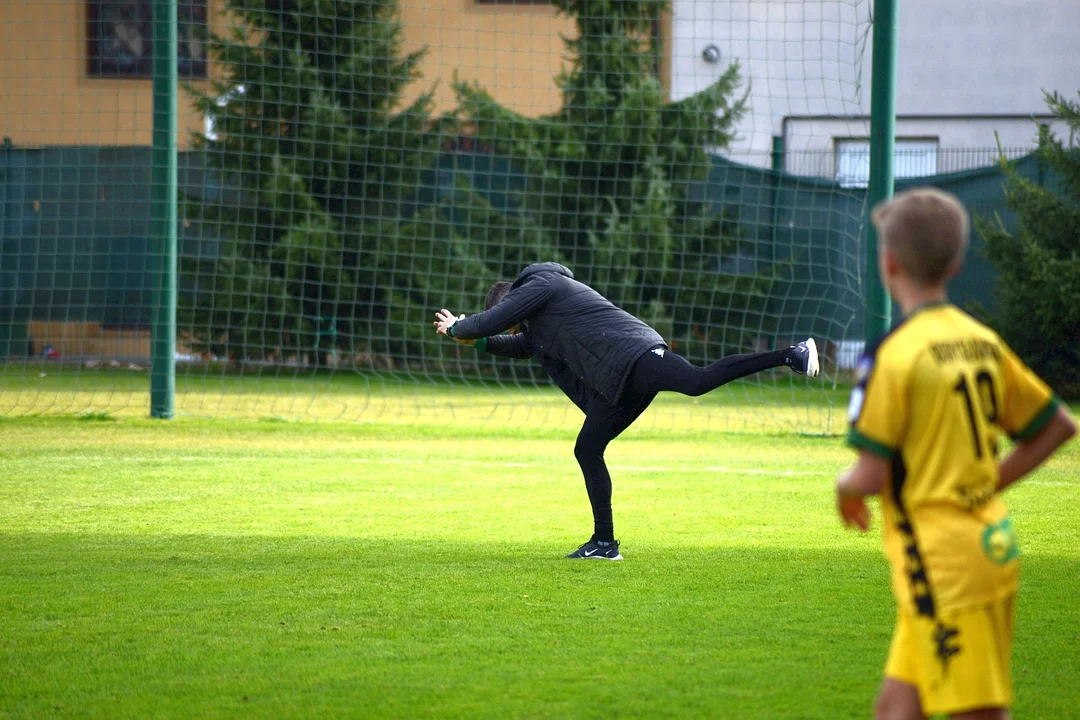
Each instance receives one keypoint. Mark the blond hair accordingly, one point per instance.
(926, 230)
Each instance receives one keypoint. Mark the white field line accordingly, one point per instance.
(718, 469)
(407, 461)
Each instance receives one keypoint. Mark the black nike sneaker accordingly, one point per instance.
(803, 358)
(592, 550)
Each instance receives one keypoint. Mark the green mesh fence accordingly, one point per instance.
(347, 168)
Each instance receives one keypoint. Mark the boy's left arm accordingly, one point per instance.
(1032, 416)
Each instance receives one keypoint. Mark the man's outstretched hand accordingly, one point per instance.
(444, 319)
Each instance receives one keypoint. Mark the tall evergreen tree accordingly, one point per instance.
(322, 241)
(1038, 284)
(610, 176)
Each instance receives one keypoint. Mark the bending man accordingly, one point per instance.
(609, 363)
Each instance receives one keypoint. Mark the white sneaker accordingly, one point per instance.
(803, 358)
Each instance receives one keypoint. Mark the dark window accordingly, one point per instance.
(121, 38)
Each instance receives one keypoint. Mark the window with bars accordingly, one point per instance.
(911, 158)
(120, 34)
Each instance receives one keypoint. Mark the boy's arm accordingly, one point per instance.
(1030, 453)
(878, 412)
(866, 477)
(1032, 416)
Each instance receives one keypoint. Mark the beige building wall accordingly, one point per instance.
(47, 98)
(46, 94)
(514, 50)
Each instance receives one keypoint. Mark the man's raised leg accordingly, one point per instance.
(660, 369)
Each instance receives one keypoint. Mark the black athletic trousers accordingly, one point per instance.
(659, 369)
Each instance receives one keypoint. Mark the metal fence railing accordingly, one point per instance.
(851, 165)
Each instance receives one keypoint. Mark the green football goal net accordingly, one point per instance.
(345, 169)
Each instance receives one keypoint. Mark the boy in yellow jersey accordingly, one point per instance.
(933, 397)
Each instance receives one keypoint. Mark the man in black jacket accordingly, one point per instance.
(607, 361)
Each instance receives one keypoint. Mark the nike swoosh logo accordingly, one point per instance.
(590, 552)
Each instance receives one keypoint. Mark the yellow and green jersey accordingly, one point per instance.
(933, 397)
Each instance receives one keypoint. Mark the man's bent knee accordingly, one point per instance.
(698, 389)
(588, 452)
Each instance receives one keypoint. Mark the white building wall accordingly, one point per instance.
(967, 68)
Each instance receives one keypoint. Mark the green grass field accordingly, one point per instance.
(770, 402)
(207, 568)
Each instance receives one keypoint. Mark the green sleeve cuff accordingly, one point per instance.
(1039, 421)
(481, 345)
(860, 441)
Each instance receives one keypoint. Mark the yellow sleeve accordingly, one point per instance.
(879, 406)
(1029, 403)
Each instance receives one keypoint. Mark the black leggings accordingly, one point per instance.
(657, 370)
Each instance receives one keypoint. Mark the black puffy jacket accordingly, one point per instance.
(587, 345)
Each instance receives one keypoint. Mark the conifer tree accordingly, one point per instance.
(322, 243)
(1038, 283)
(610, 177)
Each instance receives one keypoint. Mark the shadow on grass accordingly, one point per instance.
(208, 625)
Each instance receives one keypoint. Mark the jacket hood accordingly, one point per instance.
(543, 267)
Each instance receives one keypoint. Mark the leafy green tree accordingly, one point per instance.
(610, 176)
(1038, 283)
(322, 240)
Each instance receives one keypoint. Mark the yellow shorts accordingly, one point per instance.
(957, 662)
